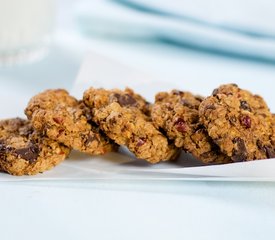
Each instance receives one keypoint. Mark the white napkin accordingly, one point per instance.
(255, 17)
(111, 19)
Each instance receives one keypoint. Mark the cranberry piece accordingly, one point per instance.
(246, 121)
(181, 125)
(58, 120)
(141, 141)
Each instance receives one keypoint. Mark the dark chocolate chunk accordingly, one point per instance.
(215, 92)
(186, 103)
(245, 106)
(29, 153)
(239, 153)
(199, 98)
(177, 92)
(125, 100)
(2, 149)
(269, 152)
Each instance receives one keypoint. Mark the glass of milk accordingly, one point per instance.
(25, 29)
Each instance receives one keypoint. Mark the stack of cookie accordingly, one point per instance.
(232, 125)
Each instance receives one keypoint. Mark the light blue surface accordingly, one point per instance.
(117, 210)
(131, 210)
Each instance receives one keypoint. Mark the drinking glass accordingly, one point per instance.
(25, 29)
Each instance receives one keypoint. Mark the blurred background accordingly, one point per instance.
(43, 42)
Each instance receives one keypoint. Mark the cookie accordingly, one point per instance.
(273, 131)
(176, 113)
(239, 122)
(62, 118)
(23, 151)
(126, 123)
(127, 98)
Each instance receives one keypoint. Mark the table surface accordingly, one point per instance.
(136, 209)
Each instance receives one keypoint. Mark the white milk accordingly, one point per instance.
(25, 26)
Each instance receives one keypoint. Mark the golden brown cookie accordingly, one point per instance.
(176, 113)
(23, 151)
(239, 122)
(273, 131)
(125, 98)
(62, 118)
(121, 116)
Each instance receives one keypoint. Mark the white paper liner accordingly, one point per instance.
(122, 166)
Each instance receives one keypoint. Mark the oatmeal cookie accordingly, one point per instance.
(176, 113)
(273, 131)
(239, 122)
(62, 118)
(127, 98)
(122, 117)
(23, 151)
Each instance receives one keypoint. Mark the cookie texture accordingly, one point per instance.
(273, 131)
(125, 121)
(239, 122)
(96, 98)
(62, 118)
(176, 113)
(23, 151)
